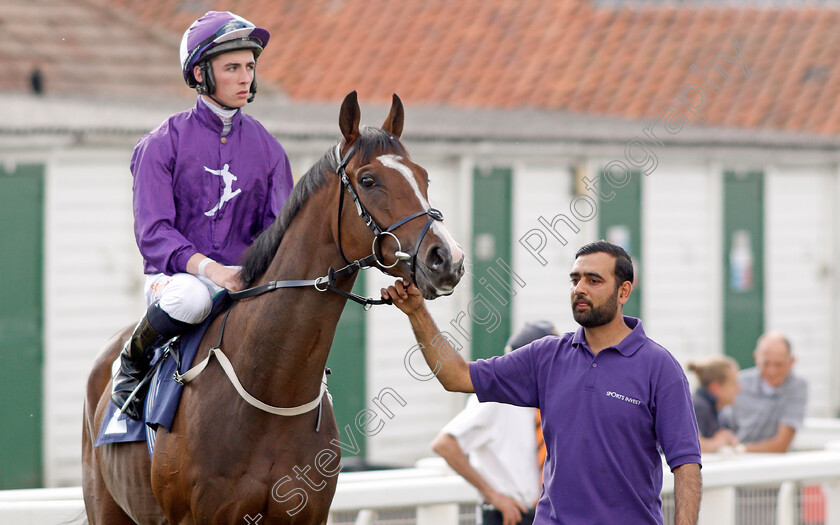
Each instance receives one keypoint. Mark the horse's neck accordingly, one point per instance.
(288, 332)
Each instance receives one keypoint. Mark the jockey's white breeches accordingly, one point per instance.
(183, 296)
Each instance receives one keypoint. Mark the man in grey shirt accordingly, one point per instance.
(771, 405)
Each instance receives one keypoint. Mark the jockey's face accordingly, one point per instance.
(234, 72)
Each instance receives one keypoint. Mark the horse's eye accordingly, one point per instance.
(367, 181)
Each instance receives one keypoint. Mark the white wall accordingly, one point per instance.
(93, 279)
(681, 250)
(544, 190)
(800, 239)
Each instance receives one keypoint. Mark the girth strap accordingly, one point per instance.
(193, 372)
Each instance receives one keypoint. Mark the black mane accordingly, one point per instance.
(257, 259)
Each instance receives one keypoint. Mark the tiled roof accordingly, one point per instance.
(563, 55)
(84, 50)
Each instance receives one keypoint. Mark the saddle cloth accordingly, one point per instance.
(164, 393)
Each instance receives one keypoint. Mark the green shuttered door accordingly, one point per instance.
(743, 264)
(491, 241)
(620, 222)
(347, 362)
(21, 347)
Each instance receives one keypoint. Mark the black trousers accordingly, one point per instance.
(491, 516)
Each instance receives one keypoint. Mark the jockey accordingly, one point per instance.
(207, 182)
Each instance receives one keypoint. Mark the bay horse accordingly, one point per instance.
(223, 459)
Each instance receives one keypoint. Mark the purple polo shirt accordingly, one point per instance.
(196, 191)
(604, 418)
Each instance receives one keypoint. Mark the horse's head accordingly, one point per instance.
(390, 194)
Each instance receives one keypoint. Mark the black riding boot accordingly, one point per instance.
(155, 328)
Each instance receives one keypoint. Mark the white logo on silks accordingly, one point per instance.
(623, 398)
(227, 195)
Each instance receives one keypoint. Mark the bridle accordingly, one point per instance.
(322, 284)
(328, 282)
(379, 233)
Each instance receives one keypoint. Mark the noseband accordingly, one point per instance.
(329, 281)
(379, 233)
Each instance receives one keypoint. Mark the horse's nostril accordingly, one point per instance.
(437, 258)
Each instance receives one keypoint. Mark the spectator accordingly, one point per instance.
(719, 385)
(771, 405)
(610, 399)
(501, 441)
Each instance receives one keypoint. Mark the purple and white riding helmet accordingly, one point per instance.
(215, 33)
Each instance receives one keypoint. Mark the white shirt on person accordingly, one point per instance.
(501, 442)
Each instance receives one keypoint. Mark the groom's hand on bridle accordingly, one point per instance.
(406, 296)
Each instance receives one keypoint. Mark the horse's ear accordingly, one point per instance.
(348, 118)
(394, 121)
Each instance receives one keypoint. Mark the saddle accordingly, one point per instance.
(164, 392)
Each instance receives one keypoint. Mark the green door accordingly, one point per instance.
(743, 264)
(21, 322)
(347, 363)
(491, 243)
(620, 222)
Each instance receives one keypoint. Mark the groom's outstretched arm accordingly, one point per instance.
(451, 369)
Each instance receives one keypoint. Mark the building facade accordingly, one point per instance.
(732, 233)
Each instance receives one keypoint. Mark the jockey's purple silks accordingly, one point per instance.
(220, 198)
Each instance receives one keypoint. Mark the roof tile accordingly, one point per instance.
(566, 55)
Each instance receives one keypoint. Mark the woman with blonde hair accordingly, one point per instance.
(719, 385)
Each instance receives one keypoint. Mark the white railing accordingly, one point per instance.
(816, 434)
(431, 493)
(42, 506)
(436, 492)
(724, 476)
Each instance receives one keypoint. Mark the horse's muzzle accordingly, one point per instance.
(439, 271)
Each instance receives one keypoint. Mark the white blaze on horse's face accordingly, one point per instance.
(454, 249)
(394, 162)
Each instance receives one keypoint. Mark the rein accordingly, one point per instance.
(322, 284)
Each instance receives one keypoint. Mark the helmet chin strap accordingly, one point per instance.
(218, 103)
